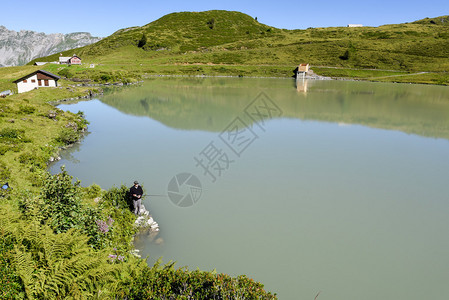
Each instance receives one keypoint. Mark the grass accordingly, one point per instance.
(356, 73)
(239, 45)
(38, 135)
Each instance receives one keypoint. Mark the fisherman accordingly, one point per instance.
(136, 193)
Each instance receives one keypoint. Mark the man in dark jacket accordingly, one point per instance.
(136, 193)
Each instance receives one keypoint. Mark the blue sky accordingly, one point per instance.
(102, 18)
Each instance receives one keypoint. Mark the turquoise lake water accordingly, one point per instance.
(330, 187)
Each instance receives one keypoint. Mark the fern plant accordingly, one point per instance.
(56, 266)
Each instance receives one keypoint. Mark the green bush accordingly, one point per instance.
(142, 41)
(26, 109)
(3, 149)
(93, 191)
(11, 133)
(117, 204)
(61, 197)
(105, 77)
(171, 283)
(211, 23)
(118, 197)
(67, 136)
(32, 159)
(66, 73)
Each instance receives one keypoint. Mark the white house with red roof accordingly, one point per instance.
(73, 60)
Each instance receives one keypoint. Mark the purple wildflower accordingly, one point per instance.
(102, 226)
(110, 221)
(112, 257)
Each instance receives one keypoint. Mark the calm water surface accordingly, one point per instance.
(334, 187)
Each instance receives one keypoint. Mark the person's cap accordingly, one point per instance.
(136, 182)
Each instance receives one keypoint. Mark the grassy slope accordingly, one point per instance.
(21, 162)
(232, 43)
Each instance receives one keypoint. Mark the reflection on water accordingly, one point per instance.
(210, 103)
(334, 195)
(301, 85)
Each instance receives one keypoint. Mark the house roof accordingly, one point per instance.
(55, 77)
(303, 67)
(64, 58)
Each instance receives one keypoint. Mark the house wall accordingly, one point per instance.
(27, 84)
(63, 60)
(75, 61)
(32, 83)
(303, 68)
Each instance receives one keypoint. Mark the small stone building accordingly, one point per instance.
(303, 68)
(302, 71)
(37, 79)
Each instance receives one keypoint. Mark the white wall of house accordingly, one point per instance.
(32, 82)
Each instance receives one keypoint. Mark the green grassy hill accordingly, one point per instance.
(220, 42)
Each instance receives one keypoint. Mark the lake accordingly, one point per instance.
(332, 187)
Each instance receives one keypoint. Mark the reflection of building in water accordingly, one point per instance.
(301, 85)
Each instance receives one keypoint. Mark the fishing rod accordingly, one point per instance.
(154, 195)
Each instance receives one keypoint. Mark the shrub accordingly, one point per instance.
(117, 204)
(26, 109)
(171, 283)
(118, 198)
(3, 149)
(67, 136)
(61, 197)
(11, 133)
(32, 159)
(211, 23)
(66, 73)
(142, 41)
(345, 56)
(105, 77)
(93, 191)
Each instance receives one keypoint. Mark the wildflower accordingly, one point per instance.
(112, 257)
(102, 226)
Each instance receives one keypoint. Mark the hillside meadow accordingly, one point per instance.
(232, 43)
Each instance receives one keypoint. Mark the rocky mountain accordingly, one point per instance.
(18, 48)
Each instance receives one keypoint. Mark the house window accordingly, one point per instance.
(46, 82)
(33, 80)
(39, 82)
(24, 81)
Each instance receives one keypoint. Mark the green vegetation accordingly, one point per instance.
(232, 43)
(59, 240)
(61, 244)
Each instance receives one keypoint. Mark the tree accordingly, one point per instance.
(143, 41)
(345, 56)
(211, 23)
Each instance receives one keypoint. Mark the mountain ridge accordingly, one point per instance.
(19, 47)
